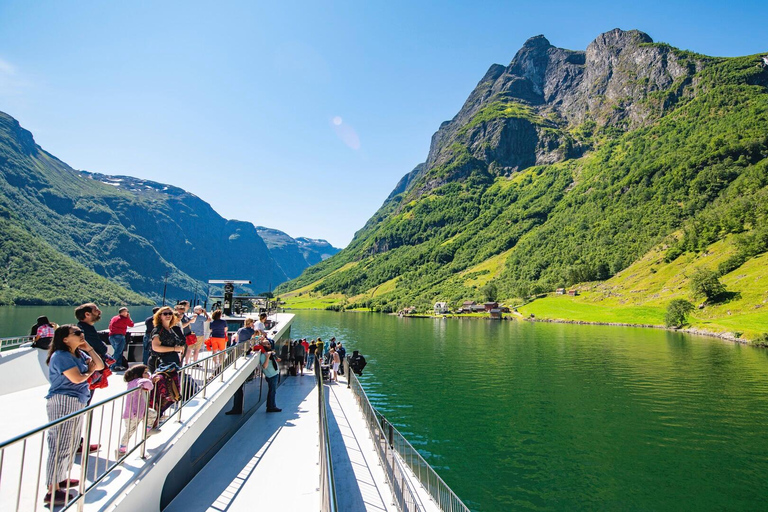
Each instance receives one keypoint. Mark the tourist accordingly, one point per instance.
(311, 355)
(118, 328)
(167, 344)
(268, 361)
(342, 354)
(199, 319)
(218, 339)
(43, 332)
(260, 326)
(182, 325)
(149, 324)
(357, 362)
(298, 356)
(335, 361)
(71, 361)
(245, 333)
(306, 350)
(87, 315)
(136, 406)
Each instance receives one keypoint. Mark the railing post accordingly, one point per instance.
(182, 392)
(84, 457)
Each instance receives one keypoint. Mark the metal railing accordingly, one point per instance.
(22, 458)
(15, 342)
(389, 441)
(328, 501)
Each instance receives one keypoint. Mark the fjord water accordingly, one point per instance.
(532, 416)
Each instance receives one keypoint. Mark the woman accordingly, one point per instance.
(43, 332)
(167, 344)
(70, 362)
(218, 337)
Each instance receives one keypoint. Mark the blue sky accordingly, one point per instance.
(300, 116)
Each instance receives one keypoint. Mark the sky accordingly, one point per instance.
(298, 116)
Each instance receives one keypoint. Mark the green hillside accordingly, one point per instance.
(32, 272)
(684, 151)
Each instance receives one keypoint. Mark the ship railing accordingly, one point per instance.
(328, 501)
(23, 459)
(389, 441)
(15, 342)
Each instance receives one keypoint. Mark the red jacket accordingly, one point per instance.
(120, 325)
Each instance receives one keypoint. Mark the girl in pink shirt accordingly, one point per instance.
(136, 405)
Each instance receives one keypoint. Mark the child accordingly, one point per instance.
(136, 405)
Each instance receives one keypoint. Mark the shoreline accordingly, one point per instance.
(725, 336)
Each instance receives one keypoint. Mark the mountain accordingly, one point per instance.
(563, 167)
(294, 255)
(132, 232)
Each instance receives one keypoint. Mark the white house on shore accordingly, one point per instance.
(441, 308)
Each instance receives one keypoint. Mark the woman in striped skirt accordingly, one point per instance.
(70, 362)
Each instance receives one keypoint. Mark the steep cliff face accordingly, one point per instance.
(544, 106)
(564, 167)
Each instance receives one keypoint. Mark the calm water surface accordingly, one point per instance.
(520, 416)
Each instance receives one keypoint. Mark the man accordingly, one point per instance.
(306, 350)
(198, 329)
(357, 362)
(311, 355)
(259, 326)
(342, 355)
(149, 323)
(298, 356)
(182, 327)
(87, 315)
(118, 328)
(269, 367)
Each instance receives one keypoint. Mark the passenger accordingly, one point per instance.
(218, 337)
(43, 332)
(342, 354)
(167, 344)
(71, 361)
(306, 349)
(298, 356)
(199, 319)
(87, 315)
(136, 406)
(335, 365)
(311, 355)
(245, 333)
(260, 326)
(149, 324)
(118, 328)
(182, 325)
(357, 362)
(268, 361)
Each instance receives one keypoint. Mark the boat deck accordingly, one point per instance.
(272, 461)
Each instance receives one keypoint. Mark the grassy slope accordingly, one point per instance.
(640, 294)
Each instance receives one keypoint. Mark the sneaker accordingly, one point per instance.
(59, 498)
(274, 410)
(120, 452)
(91, 448)
(69, 483)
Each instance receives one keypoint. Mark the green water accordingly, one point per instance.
(520, 416)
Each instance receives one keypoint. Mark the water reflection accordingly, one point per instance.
(567, 417)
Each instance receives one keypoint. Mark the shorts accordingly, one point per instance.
(336, 367)
(218, 344)
(199, 343)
